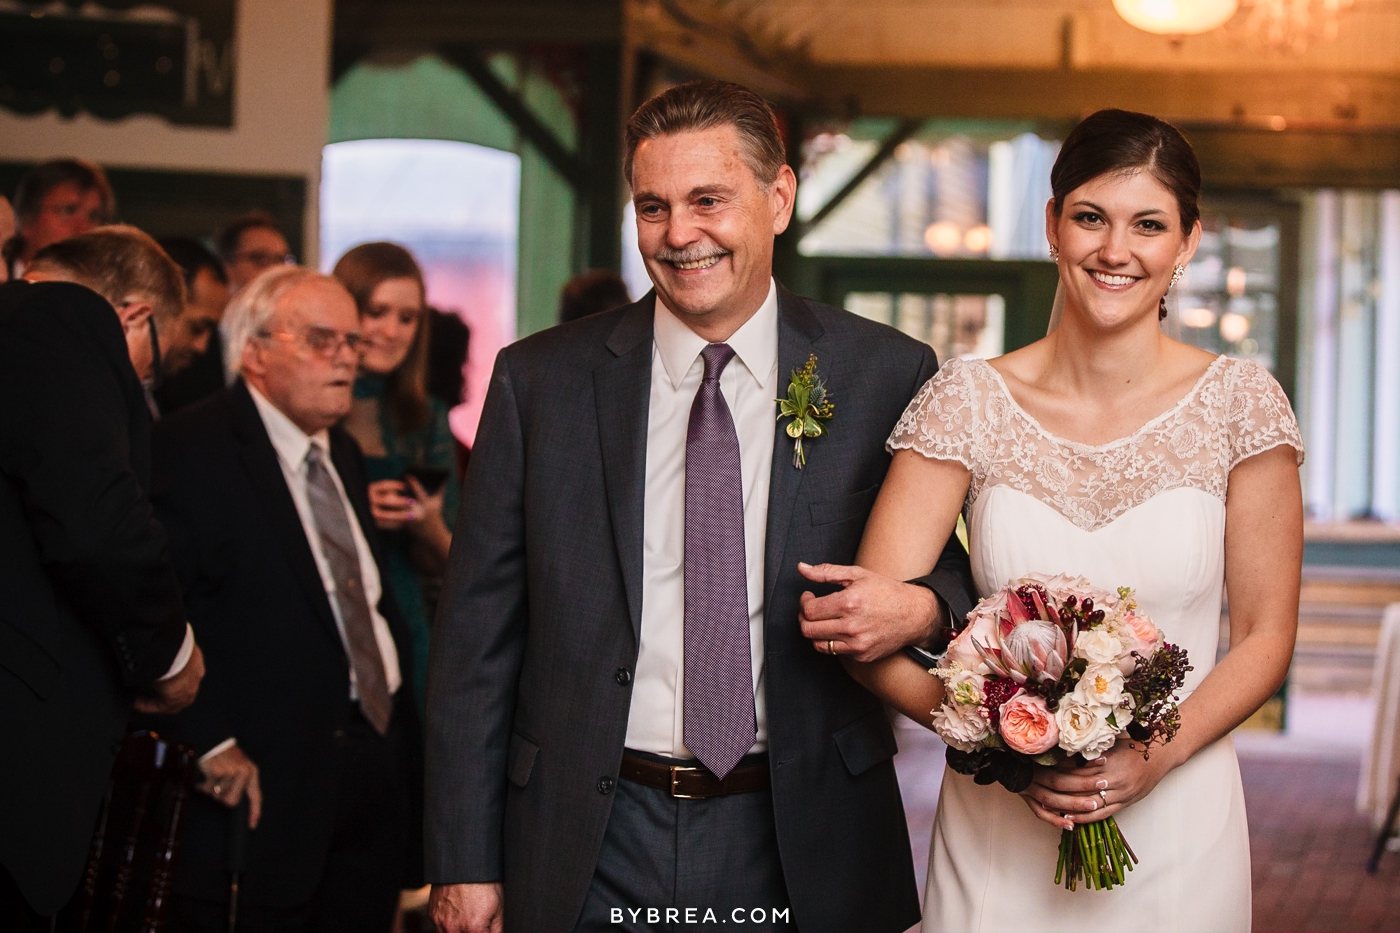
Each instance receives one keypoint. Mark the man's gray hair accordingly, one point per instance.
(703, 105)
(252, 309)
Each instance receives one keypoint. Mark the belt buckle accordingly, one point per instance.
(675, 771)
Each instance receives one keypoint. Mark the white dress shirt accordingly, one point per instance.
(291, 444)
(749, 384)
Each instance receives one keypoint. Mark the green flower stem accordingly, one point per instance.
(1097, 853)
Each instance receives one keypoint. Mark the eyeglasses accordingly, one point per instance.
(264, 259)
(322, 341)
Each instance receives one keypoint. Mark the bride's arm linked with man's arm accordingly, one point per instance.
(916, 511)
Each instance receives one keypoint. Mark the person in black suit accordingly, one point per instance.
(625, 720)
(91, 621)
(306, 710)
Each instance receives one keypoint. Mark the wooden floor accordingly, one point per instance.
(1309, 849)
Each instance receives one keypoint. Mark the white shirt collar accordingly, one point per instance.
(755, 343)
(290, 441)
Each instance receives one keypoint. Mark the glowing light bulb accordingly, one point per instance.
(1233, 327)
(978, 239)
(943, 238)
(1197, 317)
(1176, 17)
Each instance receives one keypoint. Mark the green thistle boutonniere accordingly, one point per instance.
(808, 405)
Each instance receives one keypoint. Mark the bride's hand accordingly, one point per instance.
(1067, 793)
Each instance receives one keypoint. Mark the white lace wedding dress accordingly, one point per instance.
(1145, 511)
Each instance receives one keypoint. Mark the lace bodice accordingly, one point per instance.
(966, 413)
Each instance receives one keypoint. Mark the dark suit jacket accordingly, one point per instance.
(89, 606)
(278, 676)
(542, 606)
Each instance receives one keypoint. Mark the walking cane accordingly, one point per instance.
(236, 857)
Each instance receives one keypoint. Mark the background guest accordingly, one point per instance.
(449, 340)
(92, 622)
(591, 292)
(56, 200)
(304, 711)
(201, 373)
(400, 428)
(251, 244)
(130, 270)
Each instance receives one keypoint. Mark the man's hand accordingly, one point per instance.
(872, 616)
(173, 695)
(467, 908)
(228, 776)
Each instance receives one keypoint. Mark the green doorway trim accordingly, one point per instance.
(1027, 286)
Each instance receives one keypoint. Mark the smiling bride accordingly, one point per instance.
(1111, 451)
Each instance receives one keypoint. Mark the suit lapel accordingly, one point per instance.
(270, 484)
(622, 394)
(798, 331)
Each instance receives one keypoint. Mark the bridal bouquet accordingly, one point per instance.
(1049, 668)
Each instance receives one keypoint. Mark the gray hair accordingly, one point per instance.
(252, 308)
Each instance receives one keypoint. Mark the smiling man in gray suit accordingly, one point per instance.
(626, 726)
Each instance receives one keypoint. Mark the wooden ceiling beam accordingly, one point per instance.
(1334, 101)
(430, 22)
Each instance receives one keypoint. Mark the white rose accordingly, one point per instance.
(963, 686)
(1100, 685)
(1098, 646)
(1085, 729)
(962, 726)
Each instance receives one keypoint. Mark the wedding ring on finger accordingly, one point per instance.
(831, 646)
(1104, 795)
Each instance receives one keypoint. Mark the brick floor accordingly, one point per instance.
(1309, 848)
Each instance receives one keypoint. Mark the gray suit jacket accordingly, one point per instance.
(538, 627)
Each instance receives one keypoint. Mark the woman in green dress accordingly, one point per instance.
(410, 454)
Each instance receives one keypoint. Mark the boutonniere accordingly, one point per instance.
(808, 405)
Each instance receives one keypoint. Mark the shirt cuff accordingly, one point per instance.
(182, 657)
(219, 749)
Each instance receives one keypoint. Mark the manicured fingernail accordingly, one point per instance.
(1093, 804)
(1101, 785)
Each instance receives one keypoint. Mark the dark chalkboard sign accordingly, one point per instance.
(173, 58)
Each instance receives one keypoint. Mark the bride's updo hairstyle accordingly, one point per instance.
(1123, 142)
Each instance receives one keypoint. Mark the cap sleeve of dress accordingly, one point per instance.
(941, 422)
(1258, 415)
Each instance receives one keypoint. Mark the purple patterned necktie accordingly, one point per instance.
(719, 713)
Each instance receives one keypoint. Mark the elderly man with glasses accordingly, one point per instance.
(306, 711)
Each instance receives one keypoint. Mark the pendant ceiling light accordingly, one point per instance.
(1176, 17)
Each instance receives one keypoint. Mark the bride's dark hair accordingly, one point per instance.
(1120, 141)
(1123, 141)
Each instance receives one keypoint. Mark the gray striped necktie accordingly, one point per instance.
(338, 545)
(719, 712)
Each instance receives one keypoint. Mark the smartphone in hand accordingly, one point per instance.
(431, 478)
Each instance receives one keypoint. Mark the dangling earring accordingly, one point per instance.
(1054, 252)
(1177, 273)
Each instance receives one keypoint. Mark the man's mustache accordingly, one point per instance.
(689, 254)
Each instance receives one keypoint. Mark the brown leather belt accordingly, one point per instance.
(696, 782)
